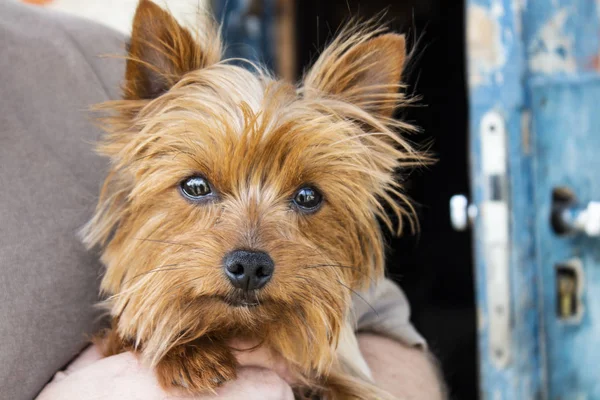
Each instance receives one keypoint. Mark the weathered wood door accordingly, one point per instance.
(534, 89)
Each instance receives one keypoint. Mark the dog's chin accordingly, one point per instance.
(239, 299)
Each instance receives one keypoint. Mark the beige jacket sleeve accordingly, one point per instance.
(384, 310)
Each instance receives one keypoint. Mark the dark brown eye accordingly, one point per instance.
(308, 199)
(196, 188)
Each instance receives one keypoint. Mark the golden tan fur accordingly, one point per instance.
(257, 140)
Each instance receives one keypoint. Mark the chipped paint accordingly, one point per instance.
(553, 138)
(551, 50)
(484, 40)
(518, 7)
(497, 9)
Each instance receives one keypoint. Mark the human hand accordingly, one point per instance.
(261, 375)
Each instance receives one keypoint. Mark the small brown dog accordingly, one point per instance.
(239, 205)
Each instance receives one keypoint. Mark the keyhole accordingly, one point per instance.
(567, 289)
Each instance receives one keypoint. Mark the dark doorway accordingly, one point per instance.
(434, 268)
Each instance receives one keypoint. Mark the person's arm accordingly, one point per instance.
(406, 372)
(395, 352)
(400, 365)
(123, 377)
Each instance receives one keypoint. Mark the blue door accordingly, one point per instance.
(534, 88)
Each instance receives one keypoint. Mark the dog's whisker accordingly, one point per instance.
(363, 273)
(163, 268)
(171, 242)
(196, 249)
(185, 283)
(360, 297)
(257, 296)
(331, 265)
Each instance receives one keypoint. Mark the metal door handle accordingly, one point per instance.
(568, 218)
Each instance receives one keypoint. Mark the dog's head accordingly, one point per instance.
(241, 204)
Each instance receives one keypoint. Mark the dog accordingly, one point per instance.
(239, 205)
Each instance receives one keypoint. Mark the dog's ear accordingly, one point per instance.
(161, 51)
(363, 70)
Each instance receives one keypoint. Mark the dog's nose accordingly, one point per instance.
(248, 270)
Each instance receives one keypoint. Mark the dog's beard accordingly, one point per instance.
(301, 321)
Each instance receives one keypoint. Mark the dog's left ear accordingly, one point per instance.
(365, 72)
(161, 51)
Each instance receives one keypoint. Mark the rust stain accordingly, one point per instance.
(38, 2)
(593, 64)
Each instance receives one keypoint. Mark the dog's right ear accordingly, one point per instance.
(362, 68)
(161, 51)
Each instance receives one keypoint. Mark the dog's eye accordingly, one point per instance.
(195, 188)
(308, 199)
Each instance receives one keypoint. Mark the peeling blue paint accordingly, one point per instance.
(566, 30)
(521, 378)
(549, 96)
(566, 128)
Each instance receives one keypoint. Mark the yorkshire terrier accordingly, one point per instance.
(239, 205)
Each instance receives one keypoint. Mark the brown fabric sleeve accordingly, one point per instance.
(50, 177)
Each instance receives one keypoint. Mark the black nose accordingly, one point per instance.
(248, 270)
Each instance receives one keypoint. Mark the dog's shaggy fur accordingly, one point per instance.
(257, 140)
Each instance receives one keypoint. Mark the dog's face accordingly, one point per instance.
(242, 205)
